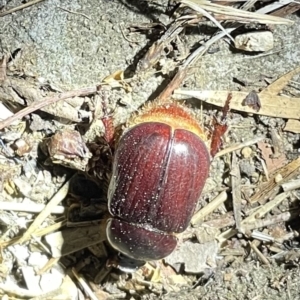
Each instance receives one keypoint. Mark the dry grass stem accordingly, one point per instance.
(259, 213)
(264, 167)
(38, 233)
(30, 208)
(240, 146)
(261, 236)
(259, 254)
(236, 190)
(3, 65)
(50, 263)
(292, 126)
(84, 285)
(284, 217)
(202, 11)
(268, 207)
(58, 197)
(209, 208)
(235, 14)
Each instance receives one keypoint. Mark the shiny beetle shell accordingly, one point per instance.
(160, 167)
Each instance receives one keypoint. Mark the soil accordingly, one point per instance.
(73, 44)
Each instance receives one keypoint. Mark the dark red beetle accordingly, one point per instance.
(160, 167)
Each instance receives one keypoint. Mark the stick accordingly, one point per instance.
(30, 208)
(47, 101)
(20, 7)
(210, 207)
(236, 191)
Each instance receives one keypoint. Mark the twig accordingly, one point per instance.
(264, 167)
(240, 146)
(49, 264)
(284, 217)
(20, 7)
(268, 206)
(291, 185)
(209, 16)
(236, 191)
(84, 285)
(31, 208)
(3, 63)
(38, 233)
(262, 236)
(210, 207)
(259, 254)
(47, 101)
(287, 9)
(58, 197)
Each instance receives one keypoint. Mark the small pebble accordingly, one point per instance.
(278, 178)
(31, 280)
(254, 177)
(50, 282)
(246, 152)
(37, 259)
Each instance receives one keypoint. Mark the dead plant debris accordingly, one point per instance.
(56, 157)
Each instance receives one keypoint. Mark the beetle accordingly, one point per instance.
(160, 166)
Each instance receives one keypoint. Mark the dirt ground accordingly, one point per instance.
(74, 44)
